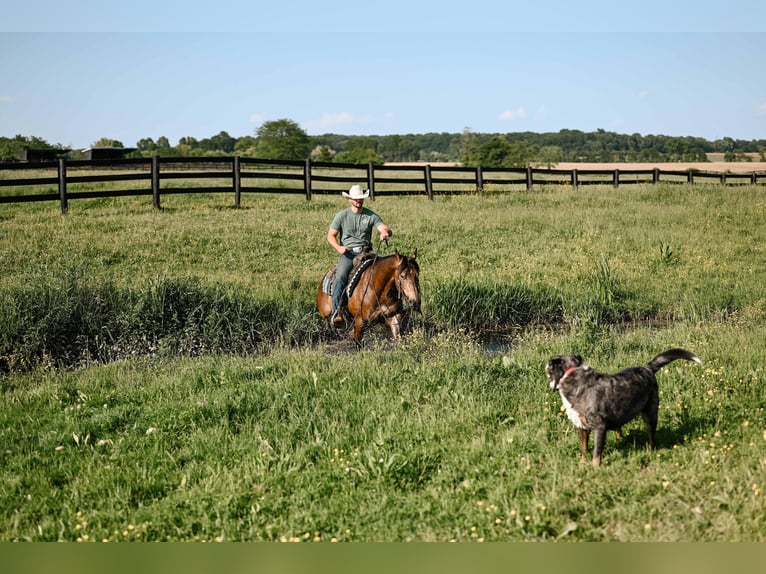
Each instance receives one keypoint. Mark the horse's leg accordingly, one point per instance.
(394, 323)
(356, 333)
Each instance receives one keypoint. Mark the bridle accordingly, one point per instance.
(371, 268)
(398, 281)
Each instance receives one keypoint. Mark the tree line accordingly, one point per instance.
(285, 139)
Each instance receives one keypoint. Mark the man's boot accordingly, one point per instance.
(337, 319)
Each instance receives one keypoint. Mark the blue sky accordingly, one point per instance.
(126, 71)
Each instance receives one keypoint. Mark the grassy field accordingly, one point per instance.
(165, 376)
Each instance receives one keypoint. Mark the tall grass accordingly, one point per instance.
(491, 307)
(114, 277)
(72, 318)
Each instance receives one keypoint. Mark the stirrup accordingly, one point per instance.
(337, 319)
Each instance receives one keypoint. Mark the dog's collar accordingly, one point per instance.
(566, 373)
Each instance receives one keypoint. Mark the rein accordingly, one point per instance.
(370, 270)
(397, 282)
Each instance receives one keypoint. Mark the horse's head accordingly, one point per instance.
(408, 280)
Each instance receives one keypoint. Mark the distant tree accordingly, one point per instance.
(677, 149)
(725, 144)
(146, 145)
(188, 141)
(549, 156)
(494, 153)
(171, 152)
(696, 154)
(649, 154)
(521, 155)
(433, 156)
(736, 156)
(246, 146)
(8, 151)
(275, 138)
(322, 153)
(282, 139)
(223, 142)
(106, 142)
(358, 155)
(469, 147)
(393, 148)
(499, 152)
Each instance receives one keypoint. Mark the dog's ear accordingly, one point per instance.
(578, 359)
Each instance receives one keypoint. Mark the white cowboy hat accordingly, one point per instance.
(356, 193)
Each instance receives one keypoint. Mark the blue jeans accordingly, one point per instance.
(345, 262)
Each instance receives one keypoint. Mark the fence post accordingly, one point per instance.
(479, 179)
(307, 179)
(616, 178)
(371, 180)
(62, 185)
(530, 181)
(156, 181)
(656, 175)
(753, 178)
(429, 185)
(575, 182)
(237, 181)
(690, 177)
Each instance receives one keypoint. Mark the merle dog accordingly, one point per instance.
(599, 402)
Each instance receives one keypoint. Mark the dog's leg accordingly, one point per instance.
(651, 425)
(599, 440)
(584, 434)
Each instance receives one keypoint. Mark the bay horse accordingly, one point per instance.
(378, 293)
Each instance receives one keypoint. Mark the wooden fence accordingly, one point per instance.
(64, 179)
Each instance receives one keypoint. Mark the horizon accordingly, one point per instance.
(333, 134)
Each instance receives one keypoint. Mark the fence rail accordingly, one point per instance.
(64, 179)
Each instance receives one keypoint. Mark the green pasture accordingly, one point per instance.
(165, 376)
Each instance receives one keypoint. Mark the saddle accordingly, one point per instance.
(361, 262)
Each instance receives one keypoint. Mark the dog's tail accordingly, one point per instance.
(669, 356)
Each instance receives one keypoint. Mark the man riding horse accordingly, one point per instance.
(350, 234)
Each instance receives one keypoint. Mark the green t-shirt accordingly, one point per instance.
(355, 230)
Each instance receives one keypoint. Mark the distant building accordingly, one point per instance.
(106, 152)
(34, 155)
